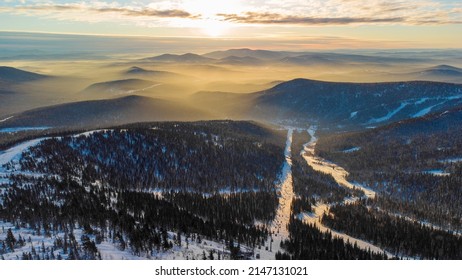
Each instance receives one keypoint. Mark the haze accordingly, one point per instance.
(105, 50)
(93, 67)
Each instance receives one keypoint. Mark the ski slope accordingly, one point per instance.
(15, 152)
(278, 228)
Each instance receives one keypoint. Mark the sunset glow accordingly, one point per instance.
(377, 23)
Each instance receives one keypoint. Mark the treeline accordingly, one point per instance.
(399, 236)
(307, 242)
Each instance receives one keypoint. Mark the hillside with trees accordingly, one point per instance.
(135, 186)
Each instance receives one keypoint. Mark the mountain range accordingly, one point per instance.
(338, 106)
(334, 105)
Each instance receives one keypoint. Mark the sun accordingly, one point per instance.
(215, 28)
(210, 23)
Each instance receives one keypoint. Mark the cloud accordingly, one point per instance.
(273, 18)
(347, 12)
(197, 13)
(72, 11)
(146, 12)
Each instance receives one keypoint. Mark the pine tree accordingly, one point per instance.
(71, 255)
(178, 239)
(10, 240)
(21, 241)
(211, 255)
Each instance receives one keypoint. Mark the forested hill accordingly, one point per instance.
(415, 164)
(136, 185)
(342, 106)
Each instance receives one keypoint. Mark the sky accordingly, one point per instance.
(288, 24)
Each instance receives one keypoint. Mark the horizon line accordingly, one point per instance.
(122, 36)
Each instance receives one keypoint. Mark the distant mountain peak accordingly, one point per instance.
(241, 60)
(448, 72)
(136, 69)
(187, 57)
(190, 55)
(446, 67)
(246, 52)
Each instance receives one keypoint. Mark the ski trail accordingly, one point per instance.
(278, 228)
(285, 192)
(339, 174)
(12, 157)
(324, 166)
(15, 152)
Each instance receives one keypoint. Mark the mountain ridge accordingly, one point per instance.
(123, 110)
(15, 75)
(352, 105)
